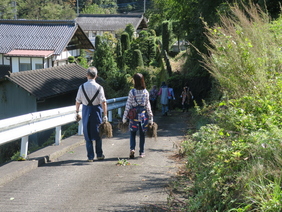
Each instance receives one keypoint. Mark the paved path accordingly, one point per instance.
(69, 183)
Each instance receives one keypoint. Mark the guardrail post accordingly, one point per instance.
(58, 135)
(80, 128)
(119, 112)
(110, 116)
(24, 147)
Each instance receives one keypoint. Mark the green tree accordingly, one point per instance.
(7, 9)
(125, 41)
(119, 55)
(81, 60)
(47, 9)
(166, 35)
(137, 59)
(147, 45)
(97, 40)
(56, 11)
(100, 7)
(71, 59)
(178, 32)
(152, 48)
(103, 58)
(93, 9)
(130, 30)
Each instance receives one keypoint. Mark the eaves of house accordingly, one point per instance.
(31, 37)
(50, 82)
(110, 22)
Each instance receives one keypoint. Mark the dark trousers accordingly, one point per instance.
(133, 139)
(153, 105)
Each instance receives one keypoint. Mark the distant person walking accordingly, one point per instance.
(171, 98)
(164, 93)
(153, 98)
(187, 97)
(91, 96)
(138, 98)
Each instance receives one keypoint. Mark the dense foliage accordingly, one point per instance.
(117, 60)
(66, 9)
(234, 162)
(234, 157)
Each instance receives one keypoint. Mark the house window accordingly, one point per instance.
(25, 66)
(38, 66)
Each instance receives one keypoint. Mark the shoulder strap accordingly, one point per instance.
(90, 102)
(134, 96)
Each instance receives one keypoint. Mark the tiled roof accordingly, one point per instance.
(110, 22)
(49, 82)
(53, 35)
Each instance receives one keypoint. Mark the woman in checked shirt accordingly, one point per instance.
(138, 98)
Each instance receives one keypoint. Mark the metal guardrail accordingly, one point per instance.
(21, 127)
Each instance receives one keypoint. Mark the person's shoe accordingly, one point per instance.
(101, 158)
(131, 154)
(142, 155)
(90, 160)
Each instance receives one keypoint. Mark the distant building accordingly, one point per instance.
(36, 90)
(34, 70)
(43, 89)
(38, 44)
(93, 24)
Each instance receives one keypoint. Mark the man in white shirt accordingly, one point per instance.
(91, 96)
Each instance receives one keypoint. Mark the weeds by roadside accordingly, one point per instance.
(234, 161)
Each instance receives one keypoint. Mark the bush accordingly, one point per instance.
(234, 162)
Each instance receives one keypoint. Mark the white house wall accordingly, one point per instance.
(65, 54)
(15, 64)
(45, 62)
(34, 61)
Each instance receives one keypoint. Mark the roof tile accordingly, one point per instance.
(49, 82)
(38, 35)
(110, 22)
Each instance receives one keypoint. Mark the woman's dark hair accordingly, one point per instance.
(139, 82)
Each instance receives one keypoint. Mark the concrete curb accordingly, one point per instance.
(13, 169)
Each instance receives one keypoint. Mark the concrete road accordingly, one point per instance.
(69, 183)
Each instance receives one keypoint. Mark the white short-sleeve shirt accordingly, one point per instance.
(90, 87)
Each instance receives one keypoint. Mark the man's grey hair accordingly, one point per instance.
(92, 72)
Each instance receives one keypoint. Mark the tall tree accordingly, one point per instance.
(130, 30)
(137, 59)
(119, 55)
(166, 35)
(44, 9)
(93, 9)
(99, 7)
(103, 58)
(7, 9)
(125, 41)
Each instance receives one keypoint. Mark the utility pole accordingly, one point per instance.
(77, 8)
(144, 6)
(14, 5)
